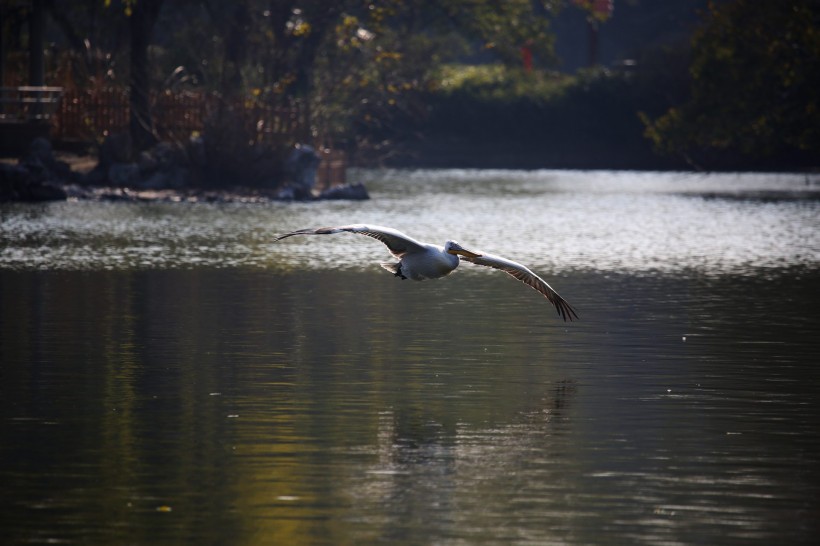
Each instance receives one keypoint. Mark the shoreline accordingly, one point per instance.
(75, 193)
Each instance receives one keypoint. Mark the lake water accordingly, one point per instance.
(171, 375)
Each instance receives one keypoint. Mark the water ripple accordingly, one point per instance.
(551, 220)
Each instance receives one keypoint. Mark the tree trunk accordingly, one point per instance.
(143, 17)
(36, 62)
(2, 52)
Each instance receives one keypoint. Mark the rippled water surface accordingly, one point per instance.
(553, 219)
(169, 374)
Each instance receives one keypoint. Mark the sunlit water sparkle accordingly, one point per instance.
(553, 220)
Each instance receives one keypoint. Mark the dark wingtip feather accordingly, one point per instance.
(565, 310)
(308, 231)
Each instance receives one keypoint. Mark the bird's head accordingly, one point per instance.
(453, 247)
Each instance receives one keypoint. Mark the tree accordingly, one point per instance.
(143, 14)
(375, 67)
(755, 76)
(86, 35)
(355, 69)
(35, 38)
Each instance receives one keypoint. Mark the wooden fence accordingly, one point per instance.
(90, 116)
(28, 103)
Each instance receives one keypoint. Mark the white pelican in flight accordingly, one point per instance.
(420, 261)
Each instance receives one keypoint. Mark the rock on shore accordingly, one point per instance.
(159, 174)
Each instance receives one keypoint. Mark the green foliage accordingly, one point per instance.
(360, 69)
(373, 72)
(500, 82)
(298, 49)
(755, 75)
(370, 75)
(503, 27)
(487, 101)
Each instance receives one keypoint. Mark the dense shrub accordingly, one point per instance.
(502, 117)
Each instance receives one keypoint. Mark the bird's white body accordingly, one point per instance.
(430, 263)
(420, 261)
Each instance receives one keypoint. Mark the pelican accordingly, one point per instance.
(419, 261)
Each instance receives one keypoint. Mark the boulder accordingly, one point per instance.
(17, 183)
(294, 192)
(175, 178)
(116, 148)
(147, 163)
(167, 156)
(41, 162)
(355, 192)
(124, 175)
(301, 167)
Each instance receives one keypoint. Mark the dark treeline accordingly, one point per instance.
(677, 84)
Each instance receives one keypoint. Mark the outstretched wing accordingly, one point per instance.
(526, 276)
(398, 243)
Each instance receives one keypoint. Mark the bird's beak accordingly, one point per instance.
(461, 251)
